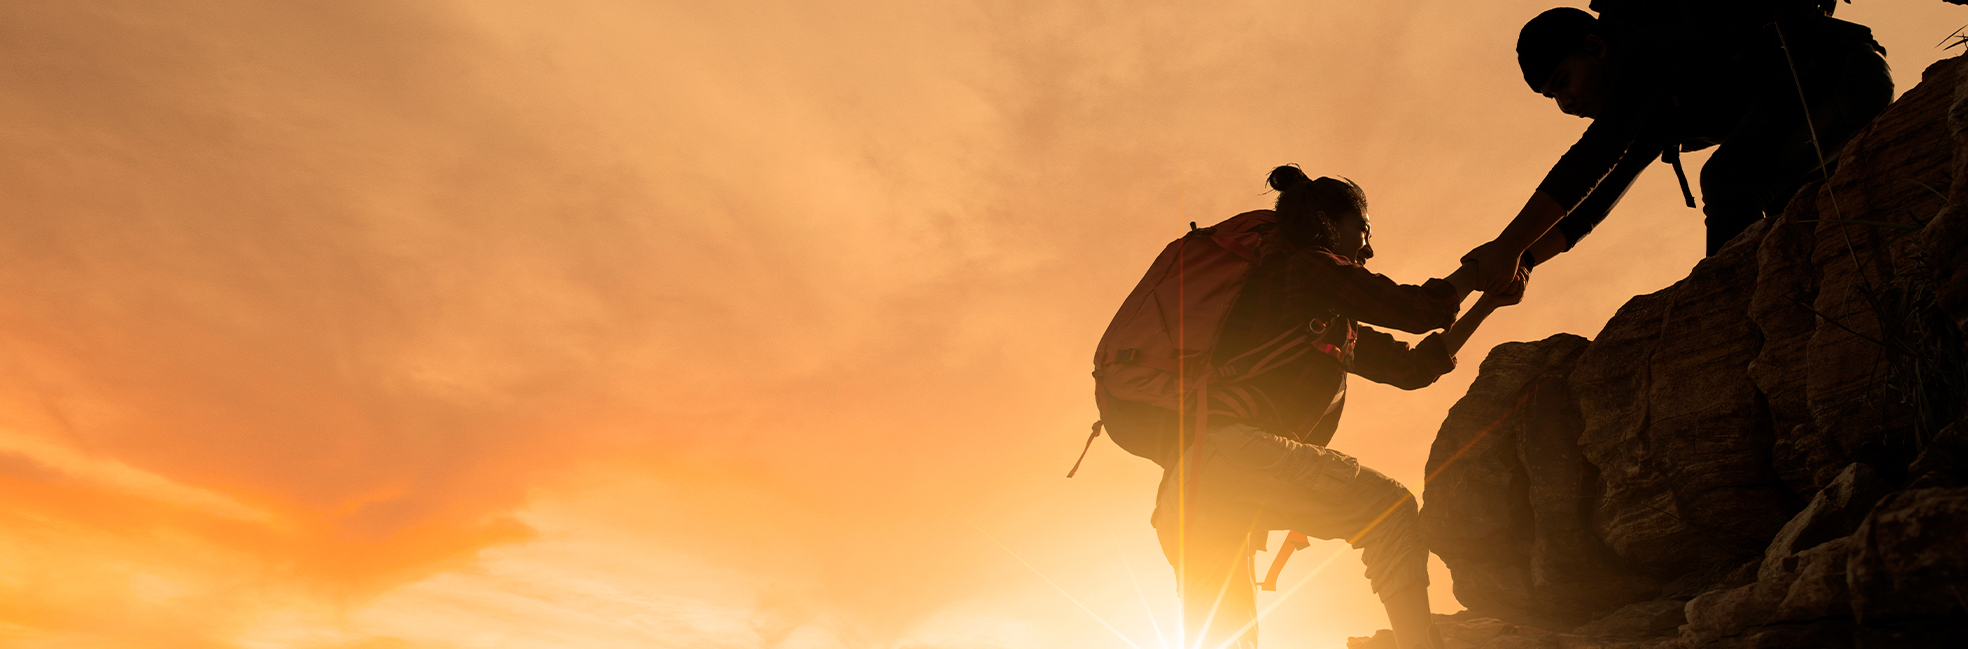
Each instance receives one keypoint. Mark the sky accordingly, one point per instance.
(743, 324)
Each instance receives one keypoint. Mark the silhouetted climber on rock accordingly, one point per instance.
(1256, 322)
(1658, 77)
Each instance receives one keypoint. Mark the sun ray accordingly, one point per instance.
(1048, 580)
(1307, 579)
(1141, 592)
(1229, 571)
(1211, 619)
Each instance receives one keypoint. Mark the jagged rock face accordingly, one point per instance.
(1683, 444)
(1835, 512)
(1805, 588)
(1771, 450)
(1516, 509)
(1854, 404)
(1907, 564)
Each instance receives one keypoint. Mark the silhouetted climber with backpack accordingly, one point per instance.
(1779, 84)
(1227, 366)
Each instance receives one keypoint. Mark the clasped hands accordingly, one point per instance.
(1495, 270)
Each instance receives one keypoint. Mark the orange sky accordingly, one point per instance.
(721, 324)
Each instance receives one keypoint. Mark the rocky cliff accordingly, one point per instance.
(1769, 453)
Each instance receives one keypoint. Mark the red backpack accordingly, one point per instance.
(1156, 356)
(1158, 352)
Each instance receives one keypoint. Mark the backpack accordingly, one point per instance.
(1155, 360)
(1159, 351)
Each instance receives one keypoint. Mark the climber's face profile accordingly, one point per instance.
(1352, 236)
(1578, 83)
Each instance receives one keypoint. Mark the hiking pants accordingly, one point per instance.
(1770, 153)
(1245, 481)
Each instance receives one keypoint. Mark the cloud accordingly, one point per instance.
(329, 291)
(333, 292)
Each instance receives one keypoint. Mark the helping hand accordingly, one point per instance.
(1511, 294)
(1496, 267)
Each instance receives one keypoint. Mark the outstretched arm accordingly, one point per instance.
(1380, 358)
(1552, 244)
(1589, 179)
(1593, 209)
(1497, 261)
(1459, 333)
(1369, 297)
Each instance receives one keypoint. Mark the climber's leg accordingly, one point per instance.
(1213, 580)
(1407, 612)
(1244, 475)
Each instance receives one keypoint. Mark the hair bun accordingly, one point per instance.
(1287, 177)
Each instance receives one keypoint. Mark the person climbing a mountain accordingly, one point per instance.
(1296, 329)
(1780, 85)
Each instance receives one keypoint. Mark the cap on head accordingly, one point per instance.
(1548, 39)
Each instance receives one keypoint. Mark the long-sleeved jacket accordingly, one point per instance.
(1317, 292)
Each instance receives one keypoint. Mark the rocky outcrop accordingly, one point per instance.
(1516, 511)
(1770, 453)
